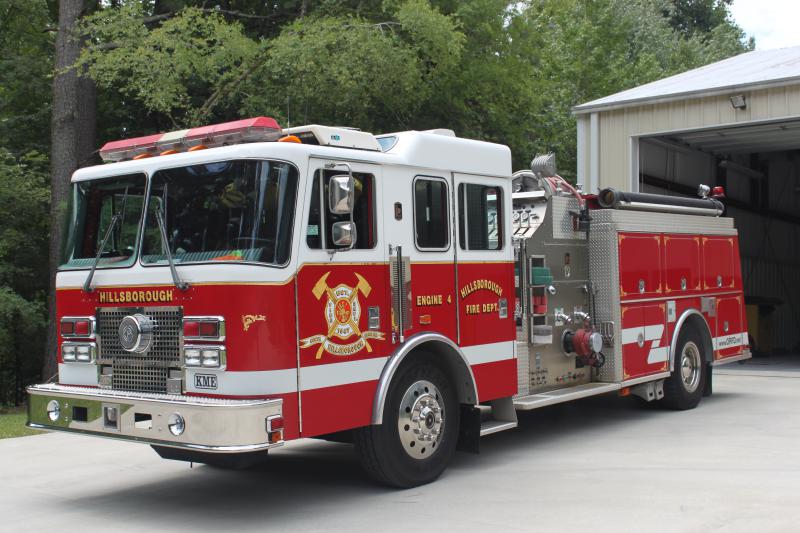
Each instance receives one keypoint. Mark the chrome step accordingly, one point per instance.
(543, 399)
(495, 426)
(498, 416)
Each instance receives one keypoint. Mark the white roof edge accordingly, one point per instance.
(591, 107)
(755, 70)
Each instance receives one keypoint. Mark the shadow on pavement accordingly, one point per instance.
(301, 479)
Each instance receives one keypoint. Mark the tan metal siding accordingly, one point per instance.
(619, 125)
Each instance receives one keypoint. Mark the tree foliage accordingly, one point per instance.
(24, 198)
(26, 63)
(26, 52)
(178, 68)
(489, 69)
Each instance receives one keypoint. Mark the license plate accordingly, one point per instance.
(205, 381)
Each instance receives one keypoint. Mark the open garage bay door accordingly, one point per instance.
(759, 166)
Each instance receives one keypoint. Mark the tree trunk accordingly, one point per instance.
(73, 141)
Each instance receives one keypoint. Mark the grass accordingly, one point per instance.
(12, 423)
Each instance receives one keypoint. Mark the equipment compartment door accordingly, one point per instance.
(682, 263)
(731, 335)
(342, 304)
(719, 258)
(645, 346)
(639, 265)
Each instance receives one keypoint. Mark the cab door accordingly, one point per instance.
(342, 301)
(485, 282)
(419, 232)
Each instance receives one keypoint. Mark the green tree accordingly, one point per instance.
(26, 63)
(376, 75)
(24, 199)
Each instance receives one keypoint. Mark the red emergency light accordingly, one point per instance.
(239, 131)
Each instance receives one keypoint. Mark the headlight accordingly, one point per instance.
(210, 358)
(204, 356)
(191, 356)
(68, 352)
(84, 353)
(78, 352)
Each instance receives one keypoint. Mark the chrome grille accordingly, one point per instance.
(148, 371)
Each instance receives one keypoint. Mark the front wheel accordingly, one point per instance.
(684, 388)
(418, 436)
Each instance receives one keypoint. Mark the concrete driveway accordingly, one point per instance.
(602, 464)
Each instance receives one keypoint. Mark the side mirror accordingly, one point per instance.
(341, 194)
(344, 234)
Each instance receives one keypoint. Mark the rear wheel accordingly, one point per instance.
(420, 427)
(684, 388)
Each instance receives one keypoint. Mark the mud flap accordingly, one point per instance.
(707, 387)
(469, 429)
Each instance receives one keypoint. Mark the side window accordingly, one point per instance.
(431, 227)
(363, 212)
(479, 217)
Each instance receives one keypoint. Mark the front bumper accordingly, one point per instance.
(211, 424)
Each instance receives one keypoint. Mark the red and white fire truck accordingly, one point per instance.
(229, 288)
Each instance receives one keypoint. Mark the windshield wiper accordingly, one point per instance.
(181, 285)
(87, 286)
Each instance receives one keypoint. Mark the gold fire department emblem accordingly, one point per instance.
(342, 313)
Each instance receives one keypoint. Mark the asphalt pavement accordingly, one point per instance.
(600, 464)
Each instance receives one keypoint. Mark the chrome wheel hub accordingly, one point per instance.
(690, 366)
(421, 419)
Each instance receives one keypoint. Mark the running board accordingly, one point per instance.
(498, 416)
(543, 399)
(495, 426)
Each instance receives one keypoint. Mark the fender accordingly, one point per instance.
(678, 326)
(468, 392)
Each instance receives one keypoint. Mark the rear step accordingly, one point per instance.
(499, 416)
(543, 399)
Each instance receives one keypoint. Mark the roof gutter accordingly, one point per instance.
(703, 93)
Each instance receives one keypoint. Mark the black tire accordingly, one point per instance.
(383, 448)
(684, 388)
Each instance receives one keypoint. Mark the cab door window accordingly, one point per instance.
(480, 217)
(320, 236)
(431, 227)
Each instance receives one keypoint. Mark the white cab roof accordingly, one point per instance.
(440, 149)
(436, 150)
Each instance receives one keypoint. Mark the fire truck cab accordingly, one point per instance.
(229, 288)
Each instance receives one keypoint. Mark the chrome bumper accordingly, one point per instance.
(211, 424)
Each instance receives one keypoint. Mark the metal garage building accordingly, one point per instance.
(734, 123)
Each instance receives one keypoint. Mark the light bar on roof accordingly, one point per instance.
(239, 131)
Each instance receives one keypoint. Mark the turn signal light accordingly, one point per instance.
(204, 328)
(72, 326)
(275, 429)
(82, 328)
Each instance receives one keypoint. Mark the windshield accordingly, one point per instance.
(228, 211)
(91, 207)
